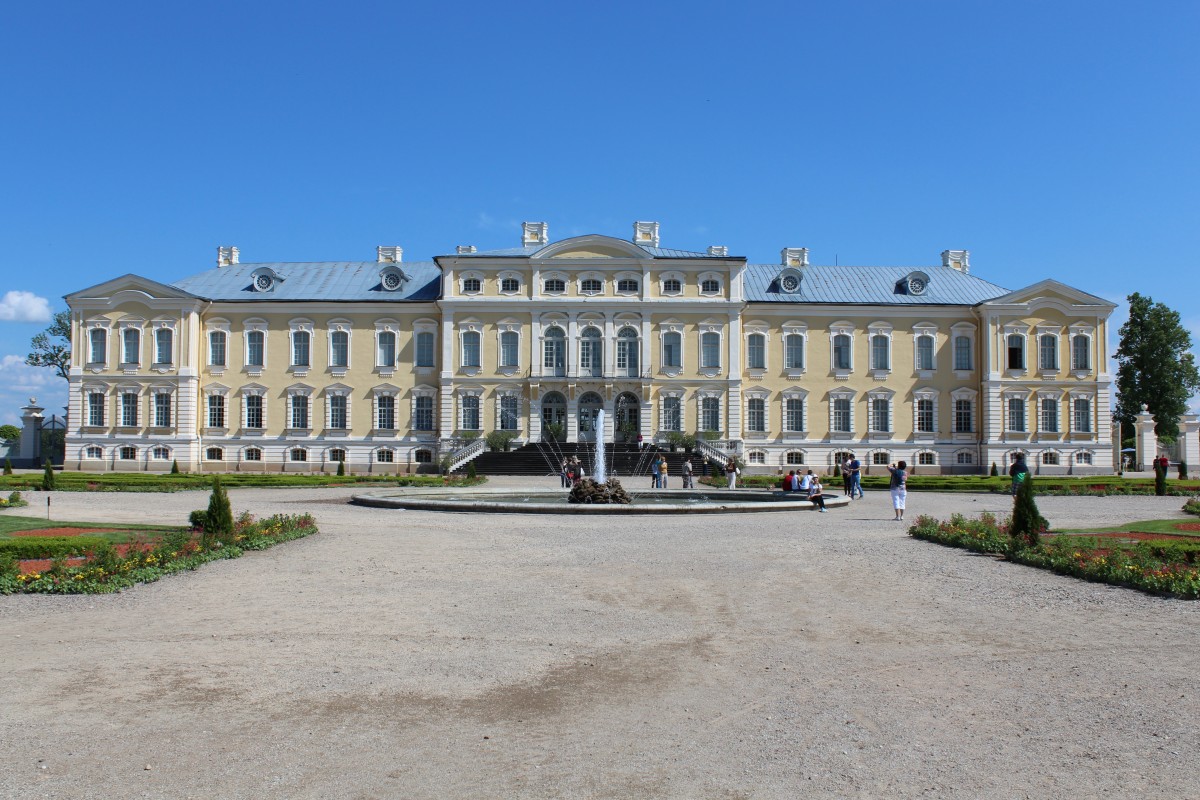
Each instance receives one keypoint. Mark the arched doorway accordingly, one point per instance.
(554, 416)
(628, 415)
(590, 404)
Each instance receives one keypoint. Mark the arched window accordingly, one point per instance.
(1083, 458)
(386, 356)
(591, 286)
(880, 355)
(672, 286)
(163, 346)
(554, 286)
(756, 457)
(627, 285)
(510, 285)
(554, 352)
(794, 457)
(1048, 351)
(710, 286)
(627, 353)
(94, 452)
(591, 353)
(337, 454)
(927, 458)
(841, 351)
(385, 456)
(298, 454)
(793, 351)
(339, 349)
(214, 454)
(131, 345)
(471, 285)
(99, 346)
(925, 352)
(470, 349)
(1081, 352)
(756, 351)
(962, 352)
(301, 351)
(128, 453)
(252, 454)
(423, 456)
(255, 348)
(510, 349)
(160, 453)
(216, 348)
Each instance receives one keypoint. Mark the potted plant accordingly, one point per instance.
(629, 429)
(554, 431)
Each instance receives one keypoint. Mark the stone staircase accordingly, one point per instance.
(624, 461)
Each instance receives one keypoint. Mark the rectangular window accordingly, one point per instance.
(216, 411)
(510, 410)
(841, 351)
(1016, 414)
(255, 341)
(163, 346)
(672, 349)
(470, 349)
(963, 417)
(1049, 415)
(925, 421)
(129, 410)
(423, 414)
(672, 414)
(131, 346)
(299, 411)
(385, 406)
(965, 458)
(254, 410)
(425, 349)
(1016, 352)
(962, 352)
(96, 409)
(710, 414)
(881, 416)
(589, 357)
(756, 351)
(470, 413)
(710, 350)
(841, 415)
(793, 414)
(216, 349)
(1083, 415)
(337, 412)
(386, 355)
(756, 415)
(162, 410)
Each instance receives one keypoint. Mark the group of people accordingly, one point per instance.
(809, 484)
(851, 477)
(570, 471)
(659, 471)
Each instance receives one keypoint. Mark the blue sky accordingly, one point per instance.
(1051, 139)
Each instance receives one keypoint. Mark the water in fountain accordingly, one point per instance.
(599, 469)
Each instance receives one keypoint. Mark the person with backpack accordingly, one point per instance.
(1019, 472)
(899, 488)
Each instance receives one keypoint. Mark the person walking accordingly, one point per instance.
(687, 474)
(1019, 472)
(847, 476)
(855, 477)
(731, 473)
(815, 494)
(899, 487)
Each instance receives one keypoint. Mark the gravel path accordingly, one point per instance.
(416, 654)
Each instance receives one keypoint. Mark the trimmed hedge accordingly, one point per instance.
(166, 482)
(25, 547)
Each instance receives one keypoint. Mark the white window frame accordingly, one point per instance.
(971, 396)
(103, 327)
(708, 329)
(211, 329)
(470, 275)
(210, 392)
(158, 327)
(421, 327)
(1010, 331)
(1088, 333)
(674, 329)
(802, 396)
(1008, 399)
(967, 331)
(122, 393)
(1090, 399)
(294, 392)
(886, 396)
(124, 326)
(545, 289)
(256, 326)
(882, 331)
(417, 394)
(920, 330)
(510, 276)
(384, 328)
(470, 328)
(800, 330)
(1042, 333)
(296, 326)
(332, 392)
(758, 329)
(501, 396)
(169, 393)
(676, 398)
(508, 329)
(461, 397)
(710, 276)
(753, 396)
(621, 277)
(835, 330)
(919, 396)
(98, 391)
(589, 276)
(378, 395)
(834, 397)
(671, 276)
(247, 392)
(334, 327)
(1057, 428)
(716, 396)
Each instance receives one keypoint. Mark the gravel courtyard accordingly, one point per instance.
(417, 654)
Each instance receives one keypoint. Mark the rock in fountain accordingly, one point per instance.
(592, 491)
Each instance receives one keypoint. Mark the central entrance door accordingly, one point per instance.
(628, 415)
(554, 416)
(590, 404)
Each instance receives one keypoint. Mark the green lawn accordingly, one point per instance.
(118, 533)
(157, 482)
(1163, 526)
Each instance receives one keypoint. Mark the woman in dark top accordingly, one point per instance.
(899, 487)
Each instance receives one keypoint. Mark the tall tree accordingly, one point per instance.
(52, 347)
(1154, 366)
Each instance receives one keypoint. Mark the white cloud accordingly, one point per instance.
(20, 306)
(19, 382)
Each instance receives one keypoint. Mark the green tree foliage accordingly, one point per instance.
(1160, 479)
(1154, 366)
(341, 470)
(174, 466)
(47, 476)
(219, 518)
(995, 470)
(10, 433)
(7, 467)
(1027, 521)
(52, 347)
(471, 470)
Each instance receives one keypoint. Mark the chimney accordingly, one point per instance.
(227, 256)
(389, 254)
(465, 248)
(794, 256)
(957, 259)
(718, 250)
(645, 233)
(534, 233)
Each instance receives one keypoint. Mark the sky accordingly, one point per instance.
(1051, 139)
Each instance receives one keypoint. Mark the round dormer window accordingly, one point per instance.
(391, 281)
(263, 282)
(916, 285)
(789, 281)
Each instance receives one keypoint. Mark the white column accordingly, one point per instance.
(31, 424)
(1147, 441)
(1189, 442)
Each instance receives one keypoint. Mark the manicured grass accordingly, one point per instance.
(155, 482)
(1089, 486)
(1163, 526)
(10, 524)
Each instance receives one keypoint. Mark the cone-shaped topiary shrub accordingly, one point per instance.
(218, 521)
(471, 470)
(175, 466)
(995, 470)
(1160, 480)
(1027, 521)
(47, 476)
(7, 467)
(341, 468)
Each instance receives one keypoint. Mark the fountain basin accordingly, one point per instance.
(660, 501)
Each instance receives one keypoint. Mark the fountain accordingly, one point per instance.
(599, 470)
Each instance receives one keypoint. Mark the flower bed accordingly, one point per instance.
(1165, 564)
(110, 568)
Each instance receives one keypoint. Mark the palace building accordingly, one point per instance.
(390, 365)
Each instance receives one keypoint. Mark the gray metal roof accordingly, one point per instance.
(868, 286)
(531, 250)
(320, 280)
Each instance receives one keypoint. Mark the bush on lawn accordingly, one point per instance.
(47, 476)
(25, 547)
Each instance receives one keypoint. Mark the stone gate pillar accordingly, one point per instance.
(1147, 440)
(31, 426)
(1189, 442)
